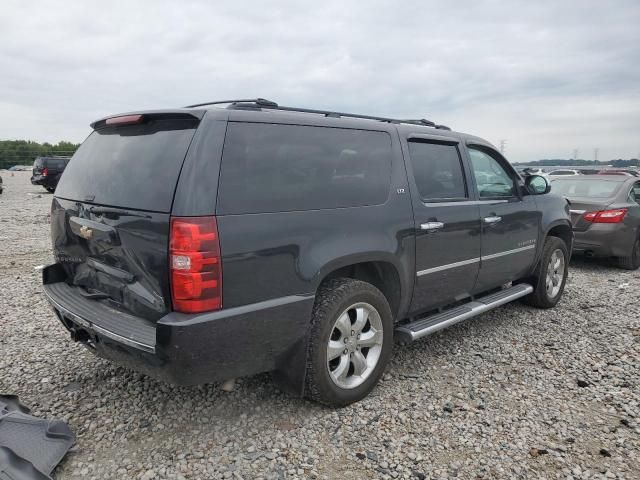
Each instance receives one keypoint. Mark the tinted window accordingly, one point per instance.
(56, 163)
(492, 179)
(585, 188)
(274, 168)
(634, 194)
(135, 166)
(437, 170)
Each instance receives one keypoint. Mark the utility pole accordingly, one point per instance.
(575, 153)
(595, 154)
(503, 145)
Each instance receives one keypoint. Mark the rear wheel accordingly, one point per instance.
(632, 261)
(551, 274)
(350, 343)
(50, 189)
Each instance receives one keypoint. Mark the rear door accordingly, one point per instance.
(447, 222)
(110, 214)
(510, 222)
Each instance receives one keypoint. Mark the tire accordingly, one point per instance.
(632, 261)
(343, 304)
(542, 296)
(50, 189)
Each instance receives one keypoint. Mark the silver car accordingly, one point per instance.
(605, 213)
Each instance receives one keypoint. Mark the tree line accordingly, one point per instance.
(24, 152)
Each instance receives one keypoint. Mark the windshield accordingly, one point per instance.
(585, 188)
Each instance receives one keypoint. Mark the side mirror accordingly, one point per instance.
(537, 184)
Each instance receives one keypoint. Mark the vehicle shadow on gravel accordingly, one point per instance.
(585, 263)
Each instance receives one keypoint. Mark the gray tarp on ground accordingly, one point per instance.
(30, 447)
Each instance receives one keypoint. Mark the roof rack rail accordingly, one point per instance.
(268, 104)
(258, 101)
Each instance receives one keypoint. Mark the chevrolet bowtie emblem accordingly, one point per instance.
(86, 232)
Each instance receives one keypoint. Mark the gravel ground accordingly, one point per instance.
(516, 393)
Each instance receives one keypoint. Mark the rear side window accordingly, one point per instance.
(278, 168)
(135, 166)
(437, 169)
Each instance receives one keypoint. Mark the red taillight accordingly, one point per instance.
(44, 172)
(606, 216)
(194, 260)
(124, 120)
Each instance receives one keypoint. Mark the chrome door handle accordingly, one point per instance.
(432, 226)
(491, 220)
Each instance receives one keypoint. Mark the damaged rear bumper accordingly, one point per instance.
(186, 349)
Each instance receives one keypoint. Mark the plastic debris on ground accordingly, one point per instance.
(30, 447)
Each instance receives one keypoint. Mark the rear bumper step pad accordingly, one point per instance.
(101, 319)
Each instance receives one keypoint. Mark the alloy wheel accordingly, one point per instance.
(354, 346)
(555, 273)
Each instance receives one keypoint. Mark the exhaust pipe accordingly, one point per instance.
(79, 335)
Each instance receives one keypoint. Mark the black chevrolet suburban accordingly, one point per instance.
(205, 243)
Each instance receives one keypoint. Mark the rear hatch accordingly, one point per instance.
(38, 165)
(110, 217)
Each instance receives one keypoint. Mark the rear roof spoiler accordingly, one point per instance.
(173, 113)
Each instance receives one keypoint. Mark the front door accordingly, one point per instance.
(510, 221)
(447, 223)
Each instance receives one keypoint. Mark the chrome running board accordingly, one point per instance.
(422, 327)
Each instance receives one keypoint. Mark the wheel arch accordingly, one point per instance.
(561, 229)
(379, 269)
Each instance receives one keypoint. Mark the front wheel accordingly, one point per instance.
(350, 342)
(551, 275)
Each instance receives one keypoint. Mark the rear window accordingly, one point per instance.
(134, 166)
(276, 168)
(57, 163)
(585, 188)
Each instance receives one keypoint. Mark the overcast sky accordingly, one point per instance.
(549, 77)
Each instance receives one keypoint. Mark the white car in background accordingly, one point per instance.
(563, 172)
(534, 171)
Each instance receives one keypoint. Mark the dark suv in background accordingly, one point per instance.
(206, 243)
(48, 170)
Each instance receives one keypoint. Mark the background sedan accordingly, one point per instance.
(605, 212)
